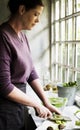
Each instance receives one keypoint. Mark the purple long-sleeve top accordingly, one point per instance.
(16, 65)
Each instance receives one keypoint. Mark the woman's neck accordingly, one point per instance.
(15, 24)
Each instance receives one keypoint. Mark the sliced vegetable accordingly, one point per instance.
(77, 114)
(50, 128)
(77, 122)
(59, 118)
(61, 126)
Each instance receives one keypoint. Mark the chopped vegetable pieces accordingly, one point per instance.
(61, 126)
(50, 128)
(77, 122)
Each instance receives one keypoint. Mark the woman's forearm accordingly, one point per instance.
(20, 97)
(36, 86)
(40, 92)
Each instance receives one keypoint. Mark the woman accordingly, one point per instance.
(16, 66)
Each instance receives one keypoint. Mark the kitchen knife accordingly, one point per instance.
(56, 117)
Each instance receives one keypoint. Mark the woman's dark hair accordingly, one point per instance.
(29, 4)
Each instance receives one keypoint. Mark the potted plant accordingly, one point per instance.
(67, 90)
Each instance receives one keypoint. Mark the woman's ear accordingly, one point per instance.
(22, 9)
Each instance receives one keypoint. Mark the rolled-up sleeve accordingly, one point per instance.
(33, 76)
(5, 79)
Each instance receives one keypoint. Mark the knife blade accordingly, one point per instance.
(56, 117)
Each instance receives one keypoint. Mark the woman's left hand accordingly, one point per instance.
(52, 108)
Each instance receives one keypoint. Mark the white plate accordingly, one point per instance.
(78, 115)
(45, 125)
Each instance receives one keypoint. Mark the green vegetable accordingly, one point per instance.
(70, 84)
(58, 122)
(61, 126)
(76, 112)
(77, 122)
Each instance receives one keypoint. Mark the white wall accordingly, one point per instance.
(3, 10)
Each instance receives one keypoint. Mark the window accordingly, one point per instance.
(65, 40)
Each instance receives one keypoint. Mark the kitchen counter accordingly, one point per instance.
(69, 111)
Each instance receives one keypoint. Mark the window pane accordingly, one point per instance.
(78, 5)
(78, 55)
(57, 31)
(63, 74)
(59, 53)
(62, 8)
(70, 49)
(70, 29)
(71, 75)
(57, 10)
(63, 31)
(59, 74)
(78, 77)
(63, 53)
(73, 28)
(78, 28)
(53, 54)
(70, 7)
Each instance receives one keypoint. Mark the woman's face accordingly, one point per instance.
(31, 17)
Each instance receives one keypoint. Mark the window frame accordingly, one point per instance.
(61, 69)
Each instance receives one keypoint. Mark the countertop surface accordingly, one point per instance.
(69, 111)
